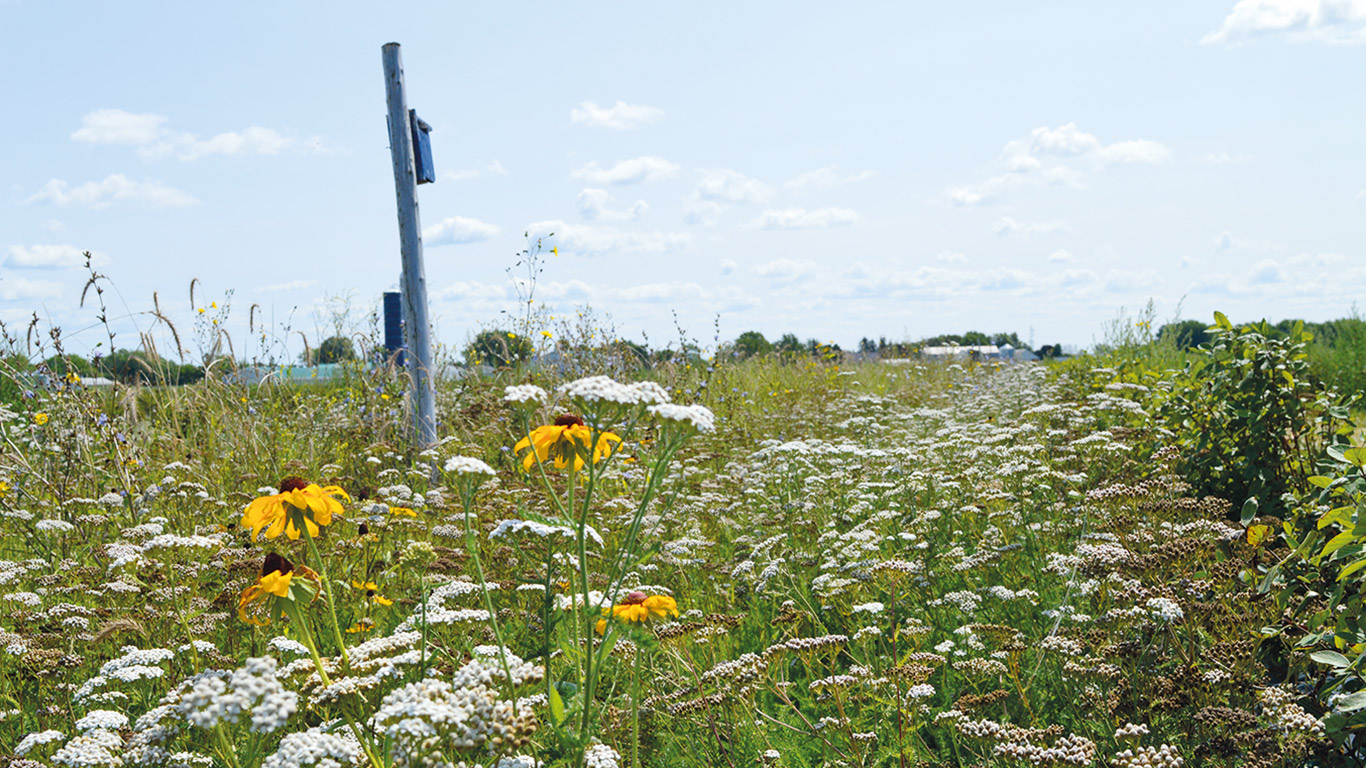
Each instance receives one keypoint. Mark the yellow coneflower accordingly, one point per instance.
(40, 419)
(562, 441)
(639, 607)
(402, 512)
(260, 601)
(364, 625)
(297, 499)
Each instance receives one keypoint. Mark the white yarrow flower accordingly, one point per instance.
(525, 394)
(698, 417)
(468, 465)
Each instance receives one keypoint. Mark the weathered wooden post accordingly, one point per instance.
(417, 327)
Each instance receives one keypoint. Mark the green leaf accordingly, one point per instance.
(1221, 320)
(1355, 456)
(1249, 511)
(556, 704)
(1337, 542)
(1331, 658)
(1351, 569)
(1320, 481)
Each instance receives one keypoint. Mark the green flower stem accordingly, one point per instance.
(297, 616)
(472, 545)
(635, 709)
(327, 590)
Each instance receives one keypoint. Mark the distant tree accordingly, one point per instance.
(867, 346)
(497, 347)
(789, 344)
(751, 343)
(1185, 334)
(335, 349)
(975, 339)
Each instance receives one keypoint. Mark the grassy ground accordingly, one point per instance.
(879, 565)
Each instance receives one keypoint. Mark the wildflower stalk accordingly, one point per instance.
(467, 491)
(327, 591)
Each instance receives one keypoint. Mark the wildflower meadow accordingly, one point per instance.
(774, 560)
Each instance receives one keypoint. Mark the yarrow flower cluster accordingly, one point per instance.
(467, 465)
(524, 394)
(698, 417)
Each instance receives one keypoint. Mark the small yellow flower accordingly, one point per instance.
(511, 335)
(40, 419)
(201, 310)
(4, 489)
(381, 599)
(213, 305)
(402, 512)
(567, 438)
(370, 585)
(546, 334)
(364, 625)
(384, 396)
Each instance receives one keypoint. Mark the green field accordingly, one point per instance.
(859, 565)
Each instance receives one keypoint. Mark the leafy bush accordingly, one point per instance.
(1248, 416)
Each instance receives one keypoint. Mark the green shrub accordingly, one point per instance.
(1249, 417)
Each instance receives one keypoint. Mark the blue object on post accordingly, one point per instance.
(422, 149)
(393, 326)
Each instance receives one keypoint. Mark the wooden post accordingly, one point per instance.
(417, 327)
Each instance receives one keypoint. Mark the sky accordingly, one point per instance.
(836, 171)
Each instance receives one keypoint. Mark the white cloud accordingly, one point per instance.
(148, 133)
(1055, 157)
(255, 140)
(950, 257)
(98, 194)
(23, 289)
(783, 271)
(702, 213)
(474, 290)
(50, 257)
(458, 230)
(825, 178)
(1061, 257)
(592, 203)
(1227, 241)
(1009, 226)
(800, 218)
(292, 285)
(492, 167)
(1316, 259)
(723, 185)
(635, 170)
(1140, 151)
(728, 266)
(1332, 21)
(115, 126)
(619, 117)
(590, 240)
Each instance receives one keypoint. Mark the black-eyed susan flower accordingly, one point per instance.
(639, 608)
(568, 439)
(281, 582)
(299, 502)
(402, 512)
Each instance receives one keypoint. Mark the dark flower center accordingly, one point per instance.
(293, 483)
(276, 563)
(635, 598)
(568, 420)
